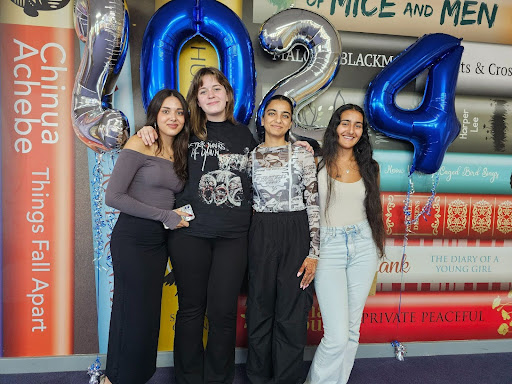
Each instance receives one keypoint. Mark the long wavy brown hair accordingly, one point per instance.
(197, 115)
(180, 142)
(368, 168)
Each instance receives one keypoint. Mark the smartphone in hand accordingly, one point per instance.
(187, 209)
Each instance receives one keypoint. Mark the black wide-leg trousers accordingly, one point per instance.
(208, 273)
(139, 257)
(277, 308)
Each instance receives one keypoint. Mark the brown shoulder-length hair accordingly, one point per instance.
(180, 142)
(197, 115)
(368, 168)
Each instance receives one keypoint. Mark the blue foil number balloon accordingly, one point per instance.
(433, 125)
(178, 21)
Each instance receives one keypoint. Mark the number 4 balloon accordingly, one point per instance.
(433, 125)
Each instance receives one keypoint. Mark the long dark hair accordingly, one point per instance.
(197, 115)
(277, 97)
(368, 168)
(180, 142)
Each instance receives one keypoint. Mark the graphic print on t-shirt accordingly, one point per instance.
(222, 186)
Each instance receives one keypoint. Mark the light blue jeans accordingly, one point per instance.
(344, 275)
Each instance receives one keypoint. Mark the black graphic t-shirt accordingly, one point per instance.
(218, 186)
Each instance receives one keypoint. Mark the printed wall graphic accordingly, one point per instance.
(456, 279)
(37, 183)
(451, 216)
(485, 21)
(424, 316)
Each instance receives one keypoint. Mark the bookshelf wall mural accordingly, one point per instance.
(456, 279)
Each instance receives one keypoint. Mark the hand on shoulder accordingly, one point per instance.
(136, 144)
(147, 134)
(304, 144)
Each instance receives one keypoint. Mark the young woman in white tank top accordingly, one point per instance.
(351, 240)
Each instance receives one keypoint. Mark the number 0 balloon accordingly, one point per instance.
(177, 22)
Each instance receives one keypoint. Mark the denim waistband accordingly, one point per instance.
(345, 230)
(349, 233)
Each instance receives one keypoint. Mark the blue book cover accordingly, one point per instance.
(459, 173)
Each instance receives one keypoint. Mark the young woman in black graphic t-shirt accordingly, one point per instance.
(209, 257)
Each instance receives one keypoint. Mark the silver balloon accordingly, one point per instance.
(279, 34)
(103, 25)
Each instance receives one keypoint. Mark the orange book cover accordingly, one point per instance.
(37, 72)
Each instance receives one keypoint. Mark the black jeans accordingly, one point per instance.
(277, 308)
(209, 273)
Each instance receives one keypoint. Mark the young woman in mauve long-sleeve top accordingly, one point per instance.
(143, 185)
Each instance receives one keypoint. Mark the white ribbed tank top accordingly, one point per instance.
(347, 201)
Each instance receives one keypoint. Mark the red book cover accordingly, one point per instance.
(37, 189)
(424, 316)
(454, 216)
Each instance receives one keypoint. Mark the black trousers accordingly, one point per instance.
(277, 308)
(139, 258)
(208, 273)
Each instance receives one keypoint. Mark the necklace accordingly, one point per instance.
(348, 165)
(338, 175)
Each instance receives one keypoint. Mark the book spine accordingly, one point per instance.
(423, 316)
(444, 286)
(400, 19)
(485, 121)
(484, 69)
(446, 264)
(459, 173)
(430, 316)
(452, 216)
(37, 63)
(436, 242)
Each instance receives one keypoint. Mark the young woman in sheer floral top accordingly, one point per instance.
(283, 250)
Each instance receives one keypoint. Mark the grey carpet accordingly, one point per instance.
(492, 368)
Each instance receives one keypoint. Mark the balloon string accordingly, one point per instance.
(97, 176)
(99, 245)
(425, 211)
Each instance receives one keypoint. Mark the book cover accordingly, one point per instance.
(453, 216)
(37, 64)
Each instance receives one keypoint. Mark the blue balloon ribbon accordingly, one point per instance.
(177, 22)
(433, 125)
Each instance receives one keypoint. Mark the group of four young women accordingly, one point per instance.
(299, 226)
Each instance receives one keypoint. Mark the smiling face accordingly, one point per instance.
(350, 128)
(277, 119)
(212, 98)
(171, 117)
